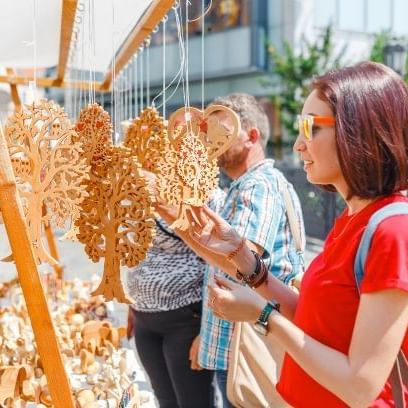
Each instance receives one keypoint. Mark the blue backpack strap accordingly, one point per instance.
(389, 210)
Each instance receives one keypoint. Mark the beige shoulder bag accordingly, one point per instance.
(255, 361)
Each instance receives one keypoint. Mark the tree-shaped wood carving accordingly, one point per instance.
(145, 137)
(94, 129)
(187, 167)
(116, 221)
(185, 175)
(49, 167)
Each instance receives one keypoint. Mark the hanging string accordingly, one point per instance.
(93, 42)
(35, 42)
(147, 42)
(164, 66)
(33, 84)
(135, 71)
(82, 94)
(203, 14)
(130, 90)
(179, 77)
(89, 53)
(125, 93)
(113, 98)
(141, 77)
(187, 80)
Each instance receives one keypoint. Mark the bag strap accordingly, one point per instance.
(399, 373)
(294, 223)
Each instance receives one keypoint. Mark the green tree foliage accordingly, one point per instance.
(295, 71)
(381, 39)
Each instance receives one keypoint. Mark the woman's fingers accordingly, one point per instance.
(225, 283)
(199, 215)
(200, 229)
(213, 216)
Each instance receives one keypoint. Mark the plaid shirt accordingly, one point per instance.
(254, 206)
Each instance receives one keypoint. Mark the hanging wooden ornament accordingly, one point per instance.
(146, 137)
(186, 177)
(49, 168)
(217, 127)
(94, 129)
(117, 220)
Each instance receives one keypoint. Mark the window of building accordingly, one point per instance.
(324, 12)
(379, 16)
(400, 19)
(223, 15)
(351, 15)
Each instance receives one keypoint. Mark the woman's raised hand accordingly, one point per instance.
(234, 302)
(212, 231)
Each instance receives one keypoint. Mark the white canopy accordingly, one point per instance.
(113, 21)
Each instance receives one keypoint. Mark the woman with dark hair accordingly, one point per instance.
(341, 334)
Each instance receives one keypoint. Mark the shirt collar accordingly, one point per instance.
(251, 170)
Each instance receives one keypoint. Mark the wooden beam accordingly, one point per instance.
(15, 97)
(37, 307)
(50, 82)
(142, 29)
(67, 23)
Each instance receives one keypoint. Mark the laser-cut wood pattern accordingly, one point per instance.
(116, 221)
(146, 138)
(49, 168)
(94, 128)
(187, 170)
(217, 127)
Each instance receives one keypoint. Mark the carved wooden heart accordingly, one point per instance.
(217, 127)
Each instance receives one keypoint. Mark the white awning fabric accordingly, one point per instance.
(112, 21)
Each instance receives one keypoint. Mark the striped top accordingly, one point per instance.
(171, 275)
(254, 206)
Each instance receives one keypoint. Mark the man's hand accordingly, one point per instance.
(193, 355)
(130, 324)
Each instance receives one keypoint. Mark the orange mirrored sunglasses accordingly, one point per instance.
(306, 122)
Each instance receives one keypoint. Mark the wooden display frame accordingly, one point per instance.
(152, 17)
(21, 246)
(10, 202)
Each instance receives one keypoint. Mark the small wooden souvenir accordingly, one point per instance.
(49, 168)
(11, 382)
(145, 137)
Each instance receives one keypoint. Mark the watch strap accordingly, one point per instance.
(267, 310)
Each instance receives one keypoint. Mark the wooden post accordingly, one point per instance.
(52, 246)
(30, 282)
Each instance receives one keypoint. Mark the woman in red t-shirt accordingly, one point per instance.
(340, 346)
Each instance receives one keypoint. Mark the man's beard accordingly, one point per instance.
(229, 161)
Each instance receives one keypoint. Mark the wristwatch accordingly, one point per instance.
(261, 325)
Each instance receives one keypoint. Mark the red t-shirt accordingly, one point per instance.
(329, 300)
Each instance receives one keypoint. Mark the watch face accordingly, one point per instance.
(260, 328)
